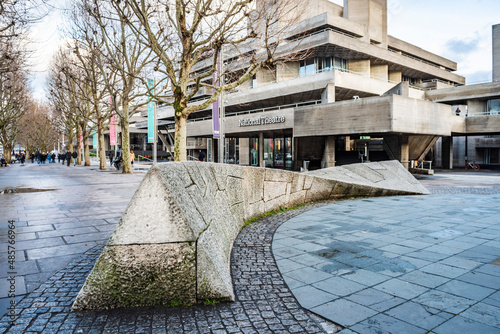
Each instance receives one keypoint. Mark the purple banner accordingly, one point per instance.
(215, 105)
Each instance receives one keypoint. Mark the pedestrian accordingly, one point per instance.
(132, 157)
(201, 156)
(458, 111)
(22, 157)
(32, 157)
(68, 157)
(49, 157)
(44, 158)
(38, 156)
(3, 162)
(110, 156)
(74, 155)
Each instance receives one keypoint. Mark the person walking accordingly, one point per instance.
(74, 155)
(201, 156)
(132, 158)
(49, 157)
(68, 158)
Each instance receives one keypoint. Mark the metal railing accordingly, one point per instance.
(421, 164)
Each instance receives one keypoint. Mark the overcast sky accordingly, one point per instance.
(459, 30)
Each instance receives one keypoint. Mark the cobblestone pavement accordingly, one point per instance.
(409, 264)
(264, 304)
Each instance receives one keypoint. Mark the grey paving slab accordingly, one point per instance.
(339, 286)
(467, 290)
(344, 312)
(419, 315)
(461, 324)
(422, 259)
(382, 323)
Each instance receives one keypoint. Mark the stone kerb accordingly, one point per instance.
(172, 245)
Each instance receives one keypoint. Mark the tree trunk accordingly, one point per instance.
(100, 139)
(180, 138)
(127, 166)
(86, 150)
(78, 147)
(7, 150)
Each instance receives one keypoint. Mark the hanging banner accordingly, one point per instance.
(94, 140)
(151, 121)
(215, 105)
(112, 132)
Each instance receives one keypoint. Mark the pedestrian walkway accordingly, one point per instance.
(398, 260)
(59, 213)
(413, 264)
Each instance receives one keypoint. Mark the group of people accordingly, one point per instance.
(42, 157)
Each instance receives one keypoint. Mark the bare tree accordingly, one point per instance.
(38, 129)
(62, 97)
(187, 38)
(122, 63)
(13, 96)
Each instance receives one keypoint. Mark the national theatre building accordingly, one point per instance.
(359, 95)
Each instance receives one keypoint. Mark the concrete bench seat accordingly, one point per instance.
(173, 244)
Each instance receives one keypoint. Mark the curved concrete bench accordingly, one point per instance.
(173, 243)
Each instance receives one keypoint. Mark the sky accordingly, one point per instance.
(459, 30)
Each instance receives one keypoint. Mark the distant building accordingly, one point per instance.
(360, 95)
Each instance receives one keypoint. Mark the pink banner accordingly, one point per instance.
(112, 137)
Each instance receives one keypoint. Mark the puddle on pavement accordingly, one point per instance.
(23, 190)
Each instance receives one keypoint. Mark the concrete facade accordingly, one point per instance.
(356, 85)
(496, 52)
(173, 243)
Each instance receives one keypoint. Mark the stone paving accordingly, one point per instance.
(411, 264)
(264, 304)
(53, 228)
(448, 293)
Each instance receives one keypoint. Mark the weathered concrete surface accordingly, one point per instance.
(173, 243)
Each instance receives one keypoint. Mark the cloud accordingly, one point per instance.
(462, 47)
(479, 77)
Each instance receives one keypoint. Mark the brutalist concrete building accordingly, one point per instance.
(360, 94)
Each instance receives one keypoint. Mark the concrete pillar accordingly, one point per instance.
(496, 52)
(287, 71)
(405, 151)
(244, 151)
(447, 149)
(380, 72)
(328, 94)
(395, 76)
(261, 149)
(329, 153)
(360, 67)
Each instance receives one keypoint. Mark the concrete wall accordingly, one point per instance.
(287, 71)
(173, 243)
(496, 52)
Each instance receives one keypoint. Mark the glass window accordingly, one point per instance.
(307, 67)
(254, 151)
(268, 152)
(232, 151)
(493, 107)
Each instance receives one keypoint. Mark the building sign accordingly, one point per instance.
(262, 121)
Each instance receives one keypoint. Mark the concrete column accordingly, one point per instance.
(261, 149)
(329, 153)
(405, 151)
(244, 151)
(328, 94)
(496, 52)
(395, 76)
(380, 71)
(360, 67)
(447, 149)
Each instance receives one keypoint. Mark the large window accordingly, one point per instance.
(493, 107)
(232, 151)
(312, 66)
